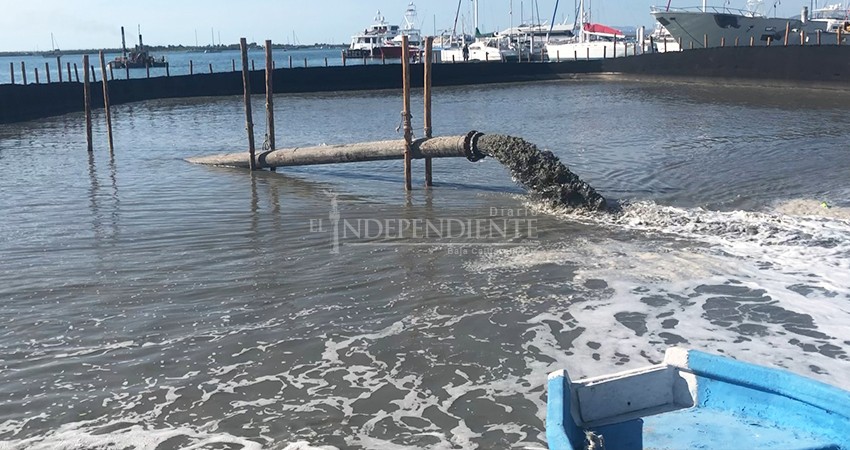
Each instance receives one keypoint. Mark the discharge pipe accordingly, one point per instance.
(435, 147)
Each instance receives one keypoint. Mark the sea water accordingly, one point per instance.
(152, 303)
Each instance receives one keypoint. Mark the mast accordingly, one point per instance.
(552, 24)
(704, 5)
(582, 36)
(475, 16)
(123, 45)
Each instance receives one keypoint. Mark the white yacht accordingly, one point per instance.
(594, 41)
(492, 48)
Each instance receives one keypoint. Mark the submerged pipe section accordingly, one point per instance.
(540, 172)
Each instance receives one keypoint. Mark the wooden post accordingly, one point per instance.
(705, 40)
(305, 62)
(106, 102)
(588, 53)
(47, 71)
(24, 72)
(383, 58)
(558, 55)
(246, 87)
(802, 37)
(453, 59)
(269, 95)
(211, 71)
(769, 38)
(87, 101)
(59, 67)
(326, 61)
(36, 75)
(343, 58)
(168, 70)
(69, 72)
(818, 38)
(112, 73)
(429, 45)
(12, 71)
(614, 47)
(787, 32)
(722, 41)
(692, 45)
(93, 74)
(665, 45)
(575, 55)
(838, 36)
(752, 40)
(604, 52)
(147, 70)
(364, 60)
(408, 132)
(290, 61)
(76, 73)
(253, 68)
(736, 40)
(191, 68)
(233, 65)
(680, 45)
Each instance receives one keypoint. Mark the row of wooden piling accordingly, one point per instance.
(406, 114)
(87, 102)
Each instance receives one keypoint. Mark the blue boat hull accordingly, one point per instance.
(697, 400)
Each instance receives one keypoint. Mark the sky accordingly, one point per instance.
(26, 25)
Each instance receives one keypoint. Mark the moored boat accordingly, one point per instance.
(696, 400)
(383, 40)
(138, 58)
(594, 41)
(709, 26)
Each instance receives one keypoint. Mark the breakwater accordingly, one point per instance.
(825, 64)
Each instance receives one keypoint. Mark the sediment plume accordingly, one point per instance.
(541, 173)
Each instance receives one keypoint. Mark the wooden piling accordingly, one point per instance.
(106, 102)
(36, 75)
(246, 87)
(802, 37)
(269, 95)
(787, 32)
(604, 52)
(305, 63)
(59, 67)
(93, 74)
(383, 58)
(167, 70)
(87, 102)
(111, 73)
(408, 132)
(769, 39)
(343, 58)
(588, 53)
(838, 36)
(69, 72)
(290, 61)
(253, 67)
(818, 38)
(558, 55)
(211, 71)
(76, 73)
(127, 70)
(233, 65)
(722, 41)
(47, 71)
(736, 40)
(191, 68)
(705, 40)
(752, 40)
(326, 61)
(12, 71)
(147, 70)
(364, 60)
(24, 72)
(680, 45)
(429, 46)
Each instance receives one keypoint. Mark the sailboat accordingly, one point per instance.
(54, 52)
(594, 41)
(486, 48)
(214, 48)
